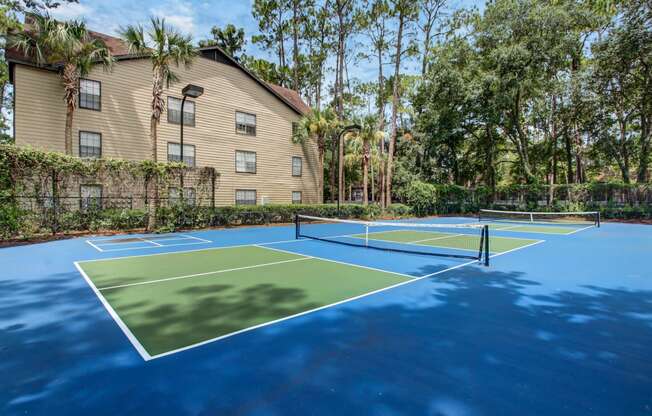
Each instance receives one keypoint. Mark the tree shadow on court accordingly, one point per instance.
(473, 341)
(199, 313)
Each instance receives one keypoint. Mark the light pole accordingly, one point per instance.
(192, 91)
(339, 179)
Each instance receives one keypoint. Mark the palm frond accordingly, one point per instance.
(134, 37)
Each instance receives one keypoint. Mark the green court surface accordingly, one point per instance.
(449, 240)
(173, 301)
(541, 229)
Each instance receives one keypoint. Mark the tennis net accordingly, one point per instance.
(557, 218)
(463, 241)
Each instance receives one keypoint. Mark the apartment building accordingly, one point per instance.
(241, 125)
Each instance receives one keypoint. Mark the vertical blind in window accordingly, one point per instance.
(90, 144)
(90, 94)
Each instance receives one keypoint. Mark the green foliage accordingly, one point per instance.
(181, 216)
(230, 39)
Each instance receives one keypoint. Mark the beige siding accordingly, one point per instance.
(124, 124)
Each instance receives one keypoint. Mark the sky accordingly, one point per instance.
(194, 17)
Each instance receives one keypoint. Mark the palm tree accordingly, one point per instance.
(166, 47)
(317, 125)
(368, 134)
(67, 46)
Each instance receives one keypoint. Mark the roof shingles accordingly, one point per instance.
(120, 49)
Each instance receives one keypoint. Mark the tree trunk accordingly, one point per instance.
(569, 159)
(579, 164)
(68, 130)
(339, 94)
(157, 108)
(520, 140)
(295, 44)
(490, 168)
(381, 127)
(365, 173)
(70, 79)
(153, 205)
(333, 167)
(392, 142)
(643, 175)
(320, 179)
(623, 160)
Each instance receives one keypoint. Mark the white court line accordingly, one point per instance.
(141, 239)
(151, 242)
(125, 329)
(341, 262)
(507, 228)
(185, 251)
(146, 356)
(121, 243)
(581, 229)
(195, 238)
(435, 238)
(142, 248)
(167, 279)
(94, 246)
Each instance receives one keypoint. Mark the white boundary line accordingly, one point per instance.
(434, 238)
(94, 246)
(142, 248)
(195, 238)
(125, 329)
(151, 242)
(581, 229)
(341, 262)
(167, 279)
(188, 251)
(146, 356)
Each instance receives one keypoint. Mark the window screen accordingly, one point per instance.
(174, 153)
(245, 197)
(90, 96)
(245, 123)
(90, 144)
(245, 162)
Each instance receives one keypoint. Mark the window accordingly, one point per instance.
(245, 123)
(295, 128)
(90, 94)
(174, 112)
(296, 197)
(90, 196)
(90, 144)
(189, 196)
(297, 164)
(245, 197)
(174, 153)
(245, 162)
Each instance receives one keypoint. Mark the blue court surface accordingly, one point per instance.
(252, 321)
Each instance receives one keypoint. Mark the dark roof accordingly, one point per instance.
(120, 51)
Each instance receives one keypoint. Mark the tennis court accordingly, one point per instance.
(444, 316)
(155, 298)
(562, 223)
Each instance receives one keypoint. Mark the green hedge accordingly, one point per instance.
(202, 217)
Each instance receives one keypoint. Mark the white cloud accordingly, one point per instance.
(179, 14)
(70, 11)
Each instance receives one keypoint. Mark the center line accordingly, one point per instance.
(167, 279)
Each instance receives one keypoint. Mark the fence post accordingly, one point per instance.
(213, 189)
(54, 202)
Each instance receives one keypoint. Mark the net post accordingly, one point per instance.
(297, 231)
(366, 235)
(486, 245)
(598, 218)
